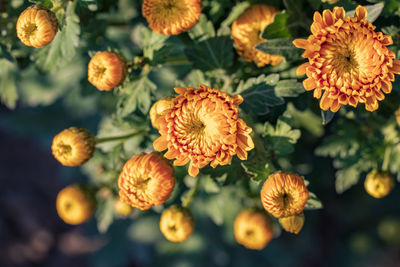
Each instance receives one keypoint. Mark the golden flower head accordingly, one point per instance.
(284, 194)
(253, 229)
(171, 17)
(379, 183)
(74, 205)
(122, 208)
(203, 126)
(347, 60)
(246, 31)
(73, 146)
(146, 180)
(159, 108)
(292, 224)
(176, 223)
(106, 70)
(37, 26)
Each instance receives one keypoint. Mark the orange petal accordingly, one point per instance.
(325, 102)
(180, 90)
(237, 99)
(328, 17)
(193, 171)
(301, 43)
(396, 67)
(386, 86)
(301, 70)
(241, 153)
(160, 143)
(361, 13)
(309, 84)
(339, 12)
(181, 161)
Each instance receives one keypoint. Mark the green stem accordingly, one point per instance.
(115, 138)
(192, 192)
(386, 158)
(177, 60)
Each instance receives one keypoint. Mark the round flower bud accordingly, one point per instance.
(37, 26)
(146, 180)
(74, 205)
(379, 183)
(122, 208)
(73, 146)
(284, 194)
(171, 17)
(176, 223)
(106, 70)
(158, 110)
(292, 224)
(253, 229)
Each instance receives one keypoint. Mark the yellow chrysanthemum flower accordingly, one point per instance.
(106, 70)
(284, 194)
(246, 31)
(348, 63)
(292, 224)
(177, 223)
(253, 229)
(73, 146)
(122, 208)
(202, 127)
(36, 26)
(74, 205)
(146, 180)
(171, 17)
(379, 183)
(159, 108)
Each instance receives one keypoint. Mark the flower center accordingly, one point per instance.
(249, 232)
(99, 71)
(172, 228)
(285, 200)
(64, 150)
(30, 29)
(141, 184)
(345, 61)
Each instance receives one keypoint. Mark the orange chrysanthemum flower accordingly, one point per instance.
(37, 26)
(284, 194)
(177, 223)
(253, 229)
(379, 184)
(158, 109)
(246, 31)
(171, 17)
(74, 205)
(146, 180)
(292, 224)
(347, 60)
(203, 126)
(106, 70)
(73, 146)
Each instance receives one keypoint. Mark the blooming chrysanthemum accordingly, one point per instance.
(171, 17)
(177, 223)
(379, 183)
(122, 208)
(74, 205)
(106, 70)
(284, 194)
(73, 146)
(159, 108)
(348, 63)
(203, 126)
(246, 31)
(292, 224)
(146, 180)
(37, 26)
(253, 229)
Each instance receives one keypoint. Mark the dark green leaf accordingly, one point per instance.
(313, 203)
(282, 47)
(237, 10)
(277, 29)
(8, 89)
(327, 116)
(289, 88)
(43, 3)
(256, 170)
(346, 178)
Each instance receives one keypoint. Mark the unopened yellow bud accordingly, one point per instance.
(36, 26)
(379, 183)
(122, 208)
(292, 224)
(73, 146)
(74, 205)
(177, 223)
(158, 109)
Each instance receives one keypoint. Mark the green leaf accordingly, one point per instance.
(346, 178)
(237, 10)
(155, 48)
(306, 119)
(373, 11)
(210, 185)
(282, 137)
(203, 30)
(104, 213)
(258, 94)
(8, 89)
(277, 29)
(282, 47)
(63, 48)
(43, 3)
(327, 116)
(289, 88)
(136, 94)
(257, 170)
(313, 203)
